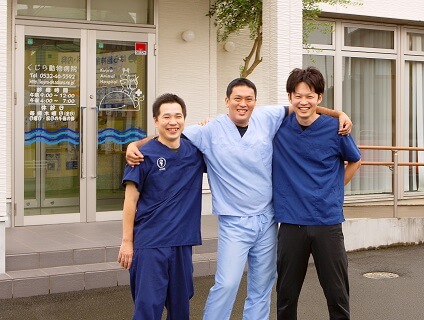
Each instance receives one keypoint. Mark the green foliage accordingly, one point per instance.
(310, 14)
(232, 16)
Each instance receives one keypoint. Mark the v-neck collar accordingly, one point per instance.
(169, 151)
(235, 134)
(311, 127)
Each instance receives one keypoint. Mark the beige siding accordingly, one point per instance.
(185, 68)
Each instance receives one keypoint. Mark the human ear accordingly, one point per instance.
(319, 98)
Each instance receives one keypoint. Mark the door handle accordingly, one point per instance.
(97, 142)
(81, 142)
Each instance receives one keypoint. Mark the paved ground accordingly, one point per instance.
(384, 299)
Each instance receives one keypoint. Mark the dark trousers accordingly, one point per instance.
(162, 277)
(326, 243)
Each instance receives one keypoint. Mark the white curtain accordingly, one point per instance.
(369, 98)
(414, 116)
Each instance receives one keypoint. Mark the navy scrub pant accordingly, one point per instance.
(326, 243)
(162, 277)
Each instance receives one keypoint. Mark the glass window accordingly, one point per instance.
(52, 127)
(416, 42)
(369, 38)
(63, 9)
(326, 65)
(126, 11)
(369, 97)
(321, 33)
(414, 123)
(121, 79)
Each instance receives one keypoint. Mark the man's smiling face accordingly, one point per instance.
(305, 101)
(240, 105)
(170, 122)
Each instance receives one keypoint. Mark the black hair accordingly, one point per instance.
(311, 76)
(238, 83)
(168, 98)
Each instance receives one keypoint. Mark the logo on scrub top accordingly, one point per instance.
(161, 163)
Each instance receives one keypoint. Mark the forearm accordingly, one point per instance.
(329, 112)
(142, 142)
(350, 170)
(128, 214)
(128, 217)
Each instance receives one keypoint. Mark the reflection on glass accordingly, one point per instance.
(52, 99)
(62, 9)
(126, 11)
(369, 38)
(369, 98)
(322, 33)
(325, 64)
(121, 101)
(414, 124)
(416, 42)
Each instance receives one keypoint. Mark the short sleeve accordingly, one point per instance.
(349, 150)
(195, 133)
(273, 115)
(132, 174)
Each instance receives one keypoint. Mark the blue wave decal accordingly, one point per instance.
(51, 137)
(120, 137)
(71, 136)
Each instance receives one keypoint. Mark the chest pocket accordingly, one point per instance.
(265, 150)
(163, 177)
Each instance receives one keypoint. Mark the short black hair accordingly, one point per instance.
(168, 98)
(311, 76)
(239, 82)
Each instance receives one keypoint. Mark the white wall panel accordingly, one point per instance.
(3, 131)
(229, 64)
(184, 67)
(283, 29)
(3, 105)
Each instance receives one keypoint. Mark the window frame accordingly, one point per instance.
(317, 46)
(87, 20)
(406, 31)
(382, 27)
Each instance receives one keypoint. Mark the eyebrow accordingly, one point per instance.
(240, 96)
(306, 94)
(170, 114)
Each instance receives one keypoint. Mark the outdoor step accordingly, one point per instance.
(204, 264)
(50, 259)
(41, 281)
(80, 256)
(73, 257)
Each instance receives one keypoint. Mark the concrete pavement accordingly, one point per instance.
(371, 299)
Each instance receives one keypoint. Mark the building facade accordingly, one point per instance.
(81, 78)
(78, 79)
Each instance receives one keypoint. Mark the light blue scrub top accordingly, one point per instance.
(239, 168)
